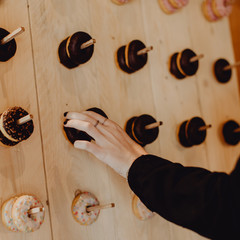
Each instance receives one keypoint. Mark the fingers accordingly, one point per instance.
(86, 127)
(97, 116)
(88, 146)
(81, 116)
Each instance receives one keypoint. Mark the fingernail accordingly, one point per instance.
(65, 122)
(65, 114)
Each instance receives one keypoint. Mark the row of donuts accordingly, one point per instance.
(213, 10)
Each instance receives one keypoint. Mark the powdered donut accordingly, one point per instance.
(7, 214)
(23, 221)
(79, 208)
(166, 6)
(140, 210)
(221, 8)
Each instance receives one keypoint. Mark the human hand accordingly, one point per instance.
(112, 145)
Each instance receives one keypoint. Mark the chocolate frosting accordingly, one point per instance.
(189, 68)
(229, 135)
(173, 67)
(182, 135)
(74, 134)
(128, 128)
(64, 59)
(135, 61)
(18, 132)
(122, 61)
(222, 75)
(78, 55)
(7, 50)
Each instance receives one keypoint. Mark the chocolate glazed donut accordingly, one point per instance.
(184, 63)
(122, 61)
(64, 59)
(74, 134)
(222, 75)
(231, 137)
(135, 61)
(182, 135)
(173, 67)
(76, 54)
(7, 50)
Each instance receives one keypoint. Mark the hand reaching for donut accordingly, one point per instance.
(112, 145)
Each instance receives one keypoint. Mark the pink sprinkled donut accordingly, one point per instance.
(120, 2)
(221, 8)
(178, 3)
(208, 11)
(166, 6)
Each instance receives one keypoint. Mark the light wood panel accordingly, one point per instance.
(152, 90)
(21, 167)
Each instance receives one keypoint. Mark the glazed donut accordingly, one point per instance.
(79, 208)
(220, 8)
(7, 214)
(166, 6)
(208, 11)
(140, 210)
(23, 221)
(120, 2)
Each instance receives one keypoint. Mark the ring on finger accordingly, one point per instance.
(104, 121)
(96, 123)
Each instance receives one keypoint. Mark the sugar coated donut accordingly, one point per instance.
(221, 8)
(208, 11)
(7, 214)
(79, 208)
(23, 221)
(140, 210)
(166, 6)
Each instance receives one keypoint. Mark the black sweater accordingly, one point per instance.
(195, 198)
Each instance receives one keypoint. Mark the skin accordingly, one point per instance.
(112, 145)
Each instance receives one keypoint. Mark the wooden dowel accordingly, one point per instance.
(88, 43)
(196, 58)
(203, 128)
(36, 210)
(145, 50)
(100, 207)
(153, 125)
(237, 130)
(25, 119)
(12, 35)
(232, 66)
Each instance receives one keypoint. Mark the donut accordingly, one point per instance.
(221, 8)
(73, 48)
(134, 61)
(120, 2)
(73, 134)
(208, 11)
(121, 61)
(79, 208)
(9, 127)
(135, 128)
(194, 136)
(222, 76)
(182, 135)
(173, 67)
(140, 210)
(23, 221)
(7, 50)
(178, 3)
(63, 57)
(166, 6)
(231, 137)
(185, 66)
(7, 214)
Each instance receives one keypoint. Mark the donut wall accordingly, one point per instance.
(48, 166)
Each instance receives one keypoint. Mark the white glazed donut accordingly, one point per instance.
(23, 221)
(221, 8)
(140, 210)
(79, 208)
(7, 214)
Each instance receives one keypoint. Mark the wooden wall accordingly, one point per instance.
(48, 166)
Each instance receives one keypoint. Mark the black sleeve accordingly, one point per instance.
(195, 198)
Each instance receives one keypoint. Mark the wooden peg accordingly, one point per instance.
(12, 35)
(203, 128)
(25, 119)
(237, 130)
(88, 43)
(144, 50)
(196, 58)
(232, 66)
(153, 125)
(35, 210)
(100, 207)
